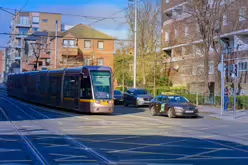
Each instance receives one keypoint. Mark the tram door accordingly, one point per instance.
(71, 94)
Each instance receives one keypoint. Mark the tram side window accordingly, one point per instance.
(85, 91)
(54, 84)
(70, 85)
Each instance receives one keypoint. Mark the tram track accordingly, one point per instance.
(35, 152)
(101, 159)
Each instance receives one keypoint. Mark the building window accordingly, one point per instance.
(197, 27)
(87, 44)
(187, 30)
(36, 20)
(100, 62)
(211, 67)
(23, 31)
(86, 62)
(100, 45)
(19, 42)
(44, 20)
(225, 20)
(167, 1)
(243, 66)
(167, 37)
(69, 43)
(35, 29)
(24, 20)
(242, 14)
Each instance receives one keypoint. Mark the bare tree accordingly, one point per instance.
(208, 15)
(148, 32)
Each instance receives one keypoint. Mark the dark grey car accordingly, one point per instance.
(137, 97)
(173, 106)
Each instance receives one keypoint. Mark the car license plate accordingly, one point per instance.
(189, 111)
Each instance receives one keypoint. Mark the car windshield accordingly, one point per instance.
(141, 92)
(177, 99)
(117, 92)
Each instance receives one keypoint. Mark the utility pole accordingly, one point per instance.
(135, 43)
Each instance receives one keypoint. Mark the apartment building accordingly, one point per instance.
(183, 44)
(26, 23)
(82, 45)
(2, 66)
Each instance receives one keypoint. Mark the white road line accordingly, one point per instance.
(130, 149)
(202, 153)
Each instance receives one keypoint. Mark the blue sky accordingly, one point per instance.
(102, 8)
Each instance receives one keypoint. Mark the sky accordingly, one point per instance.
(101, 8)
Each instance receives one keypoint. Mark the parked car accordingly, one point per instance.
(173, 106)
(118, 97)
(137, 97)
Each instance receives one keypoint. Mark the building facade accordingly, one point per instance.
(24, 24)
(183, 45)
(82, 45)
(2, 66)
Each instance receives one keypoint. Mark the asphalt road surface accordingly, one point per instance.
(31, 134)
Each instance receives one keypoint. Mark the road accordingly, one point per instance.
(31, 134)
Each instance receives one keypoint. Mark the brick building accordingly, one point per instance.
(181, 42)
(83, 45)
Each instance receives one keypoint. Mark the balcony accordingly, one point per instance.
(44, 55)
(70, 51)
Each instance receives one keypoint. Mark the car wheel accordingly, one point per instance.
(171, 113)
(153, 111)
(125, 104)
(136, 105)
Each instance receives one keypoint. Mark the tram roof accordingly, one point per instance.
(90, 68)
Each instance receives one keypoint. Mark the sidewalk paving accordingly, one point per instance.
(212, 111)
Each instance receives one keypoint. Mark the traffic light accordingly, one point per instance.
(236, 70)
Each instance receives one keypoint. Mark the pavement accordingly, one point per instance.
(230, 115)
(31, 134)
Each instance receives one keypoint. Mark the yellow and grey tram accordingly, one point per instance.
(85, 89)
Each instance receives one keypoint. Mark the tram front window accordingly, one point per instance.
(101, 81)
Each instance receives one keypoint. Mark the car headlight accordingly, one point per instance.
(178, 109)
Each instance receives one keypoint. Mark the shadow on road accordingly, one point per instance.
(38, 109)
(130, 149)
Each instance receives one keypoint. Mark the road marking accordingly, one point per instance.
(60, 123)
(153, 153)
(202, 153)
(146, 146)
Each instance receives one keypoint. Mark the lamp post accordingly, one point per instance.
(135, 44)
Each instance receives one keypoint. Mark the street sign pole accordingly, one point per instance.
(222, 83)
(234, 97)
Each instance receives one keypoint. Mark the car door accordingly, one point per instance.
(157, 103)
(126, 96)
(164, 104)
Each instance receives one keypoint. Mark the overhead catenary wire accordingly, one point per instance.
(98, 18)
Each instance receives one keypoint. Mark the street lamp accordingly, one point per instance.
(135, 44)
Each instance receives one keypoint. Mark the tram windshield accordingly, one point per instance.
(102, 85)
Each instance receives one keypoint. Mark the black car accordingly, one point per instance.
(137, 97)
(173, 106)
(118, 97)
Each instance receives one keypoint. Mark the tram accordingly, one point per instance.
(86, 89)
